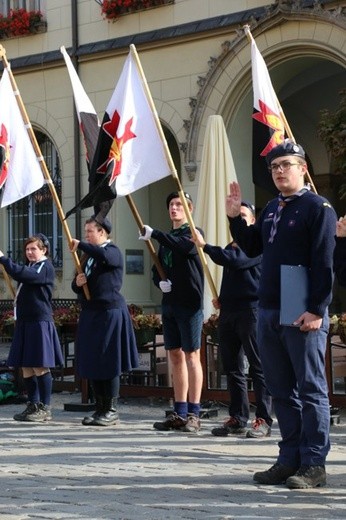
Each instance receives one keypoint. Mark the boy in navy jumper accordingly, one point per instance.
(340, 251)
(297, 228)
(238, 304)
(182, 315)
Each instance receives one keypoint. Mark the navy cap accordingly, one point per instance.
(43, 239)
(175, 195)
(288, 147)
(248, 204)
(104, 223)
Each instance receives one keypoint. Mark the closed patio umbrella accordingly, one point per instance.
(216, 172)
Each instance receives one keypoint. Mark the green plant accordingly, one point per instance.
(332, 131)
(210, 326)
(6, 319)
(66, 315)
(146, 321)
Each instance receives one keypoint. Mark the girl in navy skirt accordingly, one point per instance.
(105, 342)
(35, 345)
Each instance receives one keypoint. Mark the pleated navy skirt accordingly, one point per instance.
(35, 344)
(105, 344)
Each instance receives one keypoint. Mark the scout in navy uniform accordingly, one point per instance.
(182, 315)
(297, 228)
(105, 342)
(238, 304)
(35, 345)
(340, 251)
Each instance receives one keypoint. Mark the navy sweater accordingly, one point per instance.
(240, 277)
(105, 279)
(305, 236)
(340, 260)
(35, 295)
(185, 273)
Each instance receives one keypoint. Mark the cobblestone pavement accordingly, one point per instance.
(63, 470)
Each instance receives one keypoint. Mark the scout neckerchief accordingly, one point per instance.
(283, 201)
(90, 261)
(167, 252)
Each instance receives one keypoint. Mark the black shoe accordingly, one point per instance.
(30, 409)
(87, 421)
(230, 426)
(109, 415)
(172, 422)
(41, 414)
(277, 474)
(106, 418)
(307, 477)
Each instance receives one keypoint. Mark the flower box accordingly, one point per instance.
(144, 336)
(21, 22)
(113, 9)
(210, 328)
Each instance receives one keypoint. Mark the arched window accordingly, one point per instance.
(37, 213)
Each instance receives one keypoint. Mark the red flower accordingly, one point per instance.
(112, 9)
(19, 22)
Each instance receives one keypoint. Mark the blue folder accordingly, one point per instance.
(294, 286)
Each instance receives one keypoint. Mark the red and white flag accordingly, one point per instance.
(268, 124)
(20, 173)
(88, 120)
(129, 145)
(130, 153)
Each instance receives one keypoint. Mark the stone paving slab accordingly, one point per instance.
(64, 470)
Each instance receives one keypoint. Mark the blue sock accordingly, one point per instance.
(194, 408)
(45, 384)
(181, 409)
(31, 386)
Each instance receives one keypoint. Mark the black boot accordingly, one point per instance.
(110, 415)
(89, 421)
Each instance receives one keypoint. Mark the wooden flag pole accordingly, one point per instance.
(8, 282)
(149, 243)
(43, 165)
(173, 170)
(282, 115)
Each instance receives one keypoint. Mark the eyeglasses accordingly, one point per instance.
(284, 166)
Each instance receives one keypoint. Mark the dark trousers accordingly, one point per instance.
(293, 363)
(237, 336)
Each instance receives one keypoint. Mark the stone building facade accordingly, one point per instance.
(196, 58)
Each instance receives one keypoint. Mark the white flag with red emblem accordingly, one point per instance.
(130, 153)
(268, 124)
(20, 171)
(130, 149)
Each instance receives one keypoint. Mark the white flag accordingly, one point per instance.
(20, 173)
(268, 125)
(129, 139)
(87, 117)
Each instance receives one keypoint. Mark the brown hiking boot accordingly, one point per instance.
(193, 424)
(259, 428)
(172, 422)
(230, 426)
(277, 474)
(307, 477)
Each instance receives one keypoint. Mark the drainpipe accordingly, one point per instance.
(76, 139)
